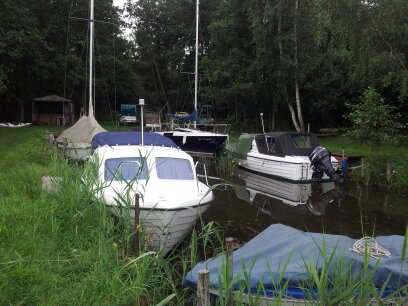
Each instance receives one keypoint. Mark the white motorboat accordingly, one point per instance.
(151, 165)
(291, 156)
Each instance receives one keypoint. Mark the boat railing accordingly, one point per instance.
(202, 168)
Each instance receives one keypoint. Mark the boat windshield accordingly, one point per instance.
(125, 168)
(303, 141)
(174, 169)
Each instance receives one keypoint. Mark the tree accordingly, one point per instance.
(372, 120)
(230, 58)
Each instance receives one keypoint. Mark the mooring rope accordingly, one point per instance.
(370, 245)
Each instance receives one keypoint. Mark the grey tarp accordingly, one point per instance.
(81, 133)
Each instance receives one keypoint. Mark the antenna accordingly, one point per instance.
(91, 53)
(263, 128)
(196, 64)
(141, 103)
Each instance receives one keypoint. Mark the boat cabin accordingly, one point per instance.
(286, 143)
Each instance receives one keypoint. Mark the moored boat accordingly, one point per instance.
(164, 177)
(286, 266)
(292, 156)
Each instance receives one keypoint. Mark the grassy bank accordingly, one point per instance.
(376, 159)
(62, 248)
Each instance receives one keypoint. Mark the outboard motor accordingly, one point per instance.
(320, 159)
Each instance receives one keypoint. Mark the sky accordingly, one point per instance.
(119, 3)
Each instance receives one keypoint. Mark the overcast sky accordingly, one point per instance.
(119, 3)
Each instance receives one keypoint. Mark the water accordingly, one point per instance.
(253, 202)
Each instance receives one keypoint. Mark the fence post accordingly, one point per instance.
(230, 246)
(362, 167)
(203, 288)
(389, 173)
(137, 226)
(64, 146)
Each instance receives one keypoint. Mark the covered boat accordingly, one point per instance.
(152, 166)
(278, 265)
(288, 155)
(75, 142)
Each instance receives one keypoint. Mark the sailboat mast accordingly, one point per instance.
(196, 65)
(91, 47)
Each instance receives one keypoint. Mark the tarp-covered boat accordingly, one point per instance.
(264, 258)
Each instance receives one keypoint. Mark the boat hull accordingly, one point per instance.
(291, 168)
(75, 154)
(162, 229)
(212, 144)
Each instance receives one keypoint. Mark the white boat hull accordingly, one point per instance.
(292, 168)
(162, 229)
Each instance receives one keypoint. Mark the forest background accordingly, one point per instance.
(296, 61)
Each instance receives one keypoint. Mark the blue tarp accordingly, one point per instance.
(279, 244)
(131, 138)
(190, 117)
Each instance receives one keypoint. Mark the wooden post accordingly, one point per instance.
(362, 167)
(230, 246)
(64, 146)
(389, 173)
(137, 226)
(203, 288)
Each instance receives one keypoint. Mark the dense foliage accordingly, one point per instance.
(300, 59)
(372, 120)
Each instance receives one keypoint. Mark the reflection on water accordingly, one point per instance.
(252, 202)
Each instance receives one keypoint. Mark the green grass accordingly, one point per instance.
(375, 159)
(62, 248)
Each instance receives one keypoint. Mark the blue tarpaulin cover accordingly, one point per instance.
(122, 138)
(278, 244)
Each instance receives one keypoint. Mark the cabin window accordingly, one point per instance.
(174, 169)
(126, 168)
(270, 143)
(302, 141)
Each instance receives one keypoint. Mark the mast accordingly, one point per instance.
(91, 47)
(196, 66)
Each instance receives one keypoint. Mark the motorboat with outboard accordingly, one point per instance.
(164, 177)
(294, 156)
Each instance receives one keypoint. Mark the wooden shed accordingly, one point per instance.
(53, 110)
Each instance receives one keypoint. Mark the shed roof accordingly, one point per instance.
(52, 98)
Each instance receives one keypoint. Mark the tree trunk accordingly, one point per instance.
(294, 120)
(161, 84)
(300, 126)
(280, 45)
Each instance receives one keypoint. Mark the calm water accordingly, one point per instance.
(254, 202)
